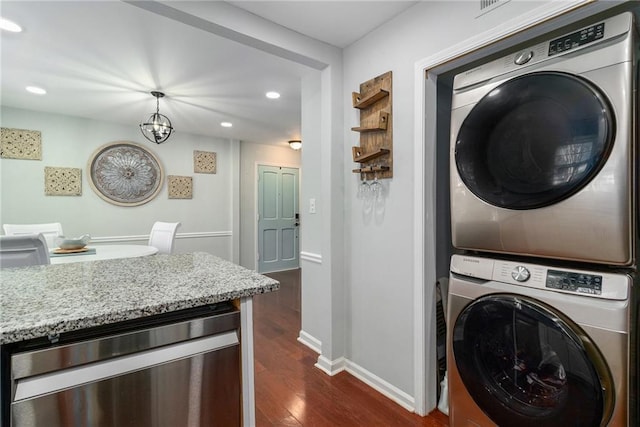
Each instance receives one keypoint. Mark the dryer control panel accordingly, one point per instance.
(577, 39)
(584, 38)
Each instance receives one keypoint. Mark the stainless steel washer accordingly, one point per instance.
(532, 345)
(542, 149)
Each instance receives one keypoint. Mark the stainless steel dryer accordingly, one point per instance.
(531, 345)
(542, 149)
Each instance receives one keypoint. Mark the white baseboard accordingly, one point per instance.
(331, 367)
(310, 341)
(392, 392)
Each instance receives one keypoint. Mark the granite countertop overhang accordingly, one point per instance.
(47, 300)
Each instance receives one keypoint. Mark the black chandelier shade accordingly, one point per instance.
(158, 127)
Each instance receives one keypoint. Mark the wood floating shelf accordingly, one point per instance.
(383, 119)
(361, 102)
(375, 152)
(371, 169)
(360, 157)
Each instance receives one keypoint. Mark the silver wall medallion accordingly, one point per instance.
(125, 173)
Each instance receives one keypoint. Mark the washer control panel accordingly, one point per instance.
(594, 284)
(577, 39)
(574, 282)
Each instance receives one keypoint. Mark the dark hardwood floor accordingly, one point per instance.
(290, 391)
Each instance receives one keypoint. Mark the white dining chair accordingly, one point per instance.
(49, 230)
(23, 250)
(163, 235)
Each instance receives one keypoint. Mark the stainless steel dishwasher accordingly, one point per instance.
(178, 370)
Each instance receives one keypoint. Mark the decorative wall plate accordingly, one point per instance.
(62, 181)
(180, 187)
(20, 144)
(125, 173)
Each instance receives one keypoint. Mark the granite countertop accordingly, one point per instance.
(47, 300)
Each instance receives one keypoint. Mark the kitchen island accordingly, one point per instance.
(52, 308)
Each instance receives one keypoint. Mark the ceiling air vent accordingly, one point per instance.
(487, 6)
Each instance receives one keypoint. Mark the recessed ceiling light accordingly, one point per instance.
(272, 95)
(11, 26)
(35, 89)
(226, 124)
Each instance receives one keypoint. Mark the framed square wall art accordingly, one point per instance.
(180, 187)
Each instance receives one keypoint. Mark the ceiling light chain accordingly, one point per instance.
(158, 127)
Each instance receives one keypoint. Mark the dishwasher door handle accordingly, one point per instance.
(30, 387)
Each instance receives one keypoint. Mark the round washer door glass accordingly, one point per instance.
(534, 140)
(526, 365)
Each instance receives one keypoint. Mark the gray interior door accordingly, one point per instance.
(278, 219)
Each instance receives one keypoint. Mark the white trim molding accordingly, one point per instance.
(145, 237)
(331, 367)
(310, 341)
(311, 257)
(392, 392)
(247, 361)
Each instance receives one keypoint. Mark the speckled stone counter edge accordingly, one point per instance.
(245, 284)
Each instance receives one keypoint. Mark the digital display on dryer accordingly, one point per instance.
(574, 282)
(577, 39)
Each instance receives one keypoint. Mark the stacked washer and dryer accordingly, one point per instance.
(542, 305)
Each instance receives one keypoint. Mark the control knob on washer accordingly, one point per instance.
(520, 274)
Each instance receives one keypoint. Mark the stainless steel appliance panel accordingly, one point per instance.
(179, 374)
(584, 329)
(592, 222)
(202, 390)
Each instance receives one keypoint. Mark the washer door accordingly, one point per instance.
(534, 140)
(526, 364)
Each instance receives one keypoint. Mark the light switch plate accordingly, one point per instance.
(312, 206)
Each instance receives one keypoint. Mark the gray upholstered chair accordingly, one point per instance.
(49, 230)
(23, 250)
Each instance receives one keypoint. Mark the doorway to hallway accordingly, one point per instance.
(278, 218)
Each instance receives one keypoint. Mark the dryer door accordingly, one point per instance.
(526, 364)
(534, 140)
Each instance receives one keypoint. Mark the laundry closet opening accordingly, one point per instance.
(439, 85)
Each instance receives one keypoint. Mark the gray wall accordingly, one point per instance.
(70, 141)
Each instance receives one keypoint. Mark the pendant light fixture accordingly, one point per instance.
(158, 127)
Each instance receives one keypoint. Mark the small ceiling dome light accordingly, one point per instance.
(158, 127)
(37, 90)
(295, 144)
(10, 26)
(272, 95)
(226, 124)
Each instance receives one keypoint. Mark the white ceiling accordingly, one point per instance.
(339, 23)
(100, 59)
